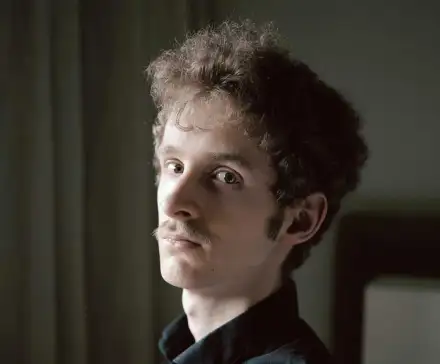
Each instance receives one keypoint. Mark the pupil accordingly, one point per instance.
(229, 177)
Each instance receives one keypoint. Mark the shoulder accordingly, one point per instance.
(304, 348)
(289, 354)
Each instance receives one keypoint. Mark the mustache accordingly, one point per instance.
(187, 229)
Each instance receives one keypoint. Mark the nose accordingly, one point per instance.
(180, 200)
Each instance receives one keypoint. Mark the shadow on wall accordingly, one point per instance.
(373, 244)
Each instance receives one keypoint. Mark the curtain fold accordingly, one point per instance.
(120, 197)
(69, 162)
(46, 153)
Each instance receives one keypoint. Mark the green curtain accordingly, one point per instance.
(79, 278)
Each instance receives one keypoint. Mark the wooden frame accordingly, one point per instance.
(370, 245)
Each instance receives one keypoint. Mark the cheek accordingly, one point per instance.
(245, 242)
(243, 218)
(164, 188)
(161, 197)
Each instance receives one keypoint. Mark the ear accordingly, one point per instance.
(307, 218)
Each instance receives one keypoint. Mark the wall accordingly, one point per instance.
(409, 309)
(384, 56)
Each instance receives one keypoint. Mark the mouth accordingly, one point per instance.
(181, 241)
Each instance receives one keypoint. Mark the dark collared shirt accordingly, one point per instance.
(271, 331)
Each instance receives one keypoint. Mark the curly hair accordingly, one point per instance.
(310, 131)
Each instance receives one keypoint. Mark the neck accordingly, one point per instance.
(211, 308)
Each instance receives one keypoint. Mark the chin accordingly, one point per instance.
(181, 277)
(175, 281)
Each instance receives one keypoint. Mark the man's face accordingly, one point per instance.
(213, 199)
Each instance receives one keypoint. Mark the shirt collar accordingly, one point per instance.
(263, 327)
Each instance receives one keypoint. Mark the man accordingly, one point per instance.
(253, 154)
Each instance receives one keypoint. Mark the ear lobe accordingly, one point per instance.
(309, 219)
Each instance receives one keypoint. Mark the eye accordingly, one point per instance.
(174, 167)
(227, 177)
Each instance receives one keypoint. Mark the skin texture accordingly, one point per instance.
(214, 190)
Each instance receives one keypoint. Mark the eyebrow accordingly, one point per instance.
(218, 157)
(232, 157)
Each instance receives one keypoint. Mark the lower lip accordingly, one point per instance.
(182, 244)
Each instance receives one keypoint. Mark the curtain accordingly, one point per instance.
(79, 277)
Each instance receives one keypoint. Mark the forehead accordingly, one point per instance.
(210, 127)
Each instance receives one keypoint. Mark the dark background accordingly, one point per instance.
(79, 279)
